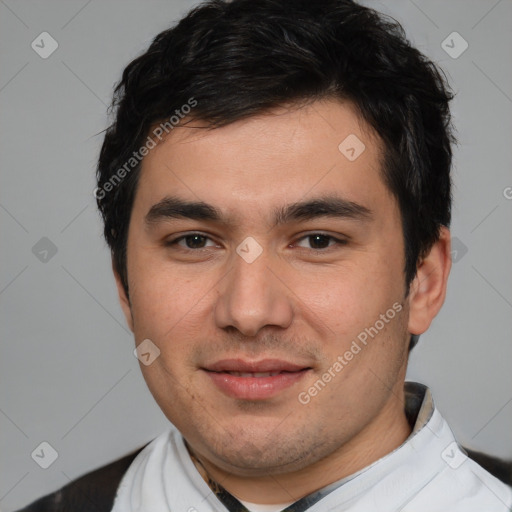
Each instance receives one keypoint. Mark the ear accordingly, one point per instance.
(123, 298)
(428, 289)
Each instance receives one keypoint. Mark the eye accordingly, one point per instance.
(319, 241)
(193, 241)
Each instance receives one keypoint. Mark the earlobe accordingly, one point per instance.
(428, 289)
(123, 298)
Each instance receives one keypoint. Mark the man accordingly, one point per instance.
(275, 189)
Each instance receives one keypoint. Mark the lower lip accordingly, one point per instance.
(254, 388)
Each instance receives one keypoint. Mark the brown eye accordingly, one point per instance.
(319, 241)
(192, 241)
(195, 241)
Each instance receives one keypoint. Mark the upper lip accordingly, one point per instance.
(264, 365)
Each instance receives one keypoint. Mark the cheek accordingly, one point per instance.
(164, 300)
(343, 301)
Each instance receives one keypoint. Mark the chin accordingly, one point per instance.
(254, 450)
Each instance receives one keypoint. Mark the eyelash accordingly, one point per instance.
(337, 242)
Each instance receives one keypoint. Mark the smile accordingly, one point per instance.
(254, 380)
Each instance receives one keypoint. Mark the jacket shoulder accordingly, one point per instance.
(500, 468)
(93, 492)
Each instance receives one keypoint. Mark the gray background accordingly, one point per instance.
(68, 373)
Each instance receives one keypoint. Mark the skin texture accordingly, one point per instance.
(294, 302)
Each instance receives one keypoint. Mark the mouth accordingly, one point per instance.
(254, 380)
(253, 374)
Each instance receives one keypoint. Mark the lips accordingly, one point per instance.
(254, 380)
(262, 366)
(253, 374)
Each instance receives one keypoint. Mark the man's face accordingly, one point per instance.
(245, 337)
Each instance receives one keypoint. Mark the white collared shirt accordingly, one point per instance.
(428, 473)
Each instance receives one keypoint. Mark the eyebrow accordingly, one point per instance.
(328, 206)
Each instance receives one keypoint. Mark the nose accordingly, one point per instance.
(252, 297)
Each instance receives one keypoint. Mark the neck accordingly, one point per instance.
(386, 433)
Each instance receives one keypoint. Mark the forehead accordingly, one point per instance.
(279, 157)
